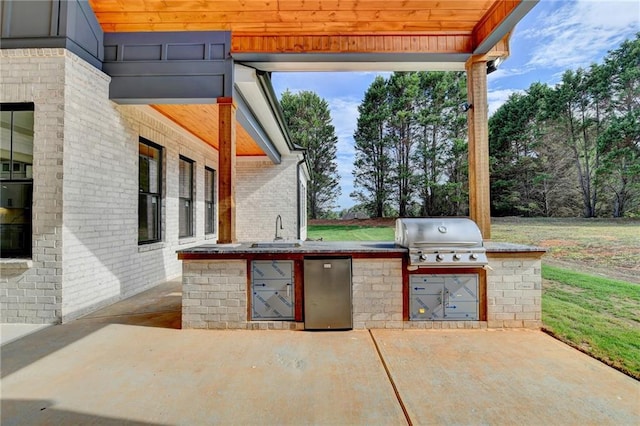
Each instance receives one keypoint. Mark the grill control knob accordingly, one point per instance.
(474, 256)
(439, 257)
(423, 257)
(457, 256)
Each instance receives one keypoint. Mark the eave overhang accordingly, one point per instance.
(261, 110)
(498, 23)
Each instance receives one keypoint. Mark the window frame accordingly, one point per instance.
(26, 250)
(210, 226)
(158, 194)
(189, 215)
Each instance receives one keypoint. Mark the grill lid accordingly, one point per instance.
(441, 242)
(438, 233)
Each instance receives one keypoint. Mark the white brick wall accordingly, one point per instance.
(102, 260)
(264, 191)
(85, 251)
(94, 258)
(514, 292)
(377, 293)
(214, 295)
(32, 293)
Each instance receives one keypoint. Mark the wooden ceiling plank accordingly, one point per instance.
(202, 122)
(494, 16)
(354, 43)
(315, 28)
(383, 5)
(286, 5)
(443, 18)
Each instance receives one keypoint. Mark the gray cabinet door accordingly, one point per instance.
(461, 297)
(272, 305)
(426, 298)
(272, 290)
(437, 297)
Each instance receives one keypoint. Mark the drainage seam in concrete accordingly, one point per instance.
(393, 384)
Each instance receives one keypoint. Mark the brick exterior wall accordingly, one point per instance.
(31, 292)
(264, 191)
(377, 293)
(85, 251)
(514, 292)
(215, 296)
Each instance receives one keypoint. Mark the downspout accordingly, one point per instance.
(299, 206)
(298, 203)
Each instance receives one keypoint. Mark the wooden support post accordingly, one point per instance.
(227, 171)
(478, 120)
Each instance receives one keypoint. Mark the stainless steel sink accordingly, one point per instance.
(277, 244)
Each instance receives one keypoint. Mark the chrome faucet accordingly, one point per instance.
(279, 218)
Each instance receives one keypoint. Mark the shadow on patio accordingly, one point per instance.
(159, 306)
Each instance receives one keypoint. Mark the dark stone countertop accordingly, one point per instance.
(498, 247)
(307, 247)
(363, 248)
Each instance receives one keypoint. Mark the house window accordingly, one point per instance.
(149, 197)
(16, 179)
(209, 200)
(185, 210)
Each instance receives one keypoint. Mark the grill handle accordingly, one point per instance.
(448, 243)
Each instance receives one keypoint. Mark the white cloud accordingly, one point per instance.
(502, 72)
(498, 97)
(572, 34)
(344, 115)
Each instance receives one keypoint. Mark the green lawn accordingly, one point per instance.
(598, 315)
(350, 233)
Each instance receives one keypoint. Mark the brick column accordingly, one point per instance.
(477, 116)
(227, 170)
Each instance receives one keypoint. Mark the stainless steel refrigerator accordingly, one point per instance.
(327, 294)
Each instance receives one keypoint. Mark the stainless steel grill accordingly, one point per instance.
(441, 242)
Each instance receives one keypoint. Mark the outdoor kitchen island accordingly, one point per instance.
(223, 285)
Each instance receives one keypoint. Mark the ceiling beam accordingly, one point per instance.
(498, 22)
(434, 43)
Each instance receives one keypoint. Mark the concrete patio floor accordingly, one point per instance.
(130, 364)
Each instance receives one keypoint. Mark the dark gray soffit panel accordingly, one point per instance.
(176, 66)
(169, 88)
(68, 24)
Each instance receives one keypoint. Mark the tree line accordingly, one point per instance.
(568, 150)
(572, 149)
(410, 144)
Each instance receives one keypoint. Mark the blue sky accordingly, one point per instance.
(553, 37)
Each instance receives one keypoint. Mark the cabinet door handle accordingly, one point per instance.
(289, 290)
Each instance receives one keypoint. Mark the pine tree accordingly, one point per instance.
(403, 92)
(309, 122)
(441, 128)
(372, 165)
